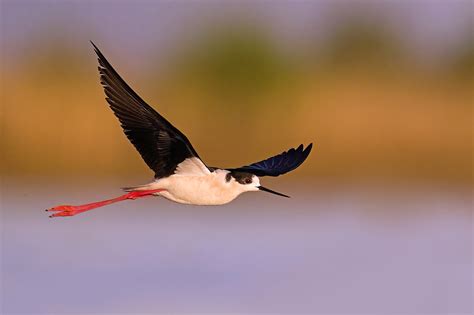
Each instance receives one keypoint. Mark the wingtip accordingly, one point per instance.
(301, 148)
(96, 49)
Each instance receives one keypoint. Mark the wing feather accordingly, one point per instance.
(279, 164)
(160, 144)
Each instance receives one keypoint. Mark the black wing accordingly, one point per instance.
(160, 144)
(279, 164)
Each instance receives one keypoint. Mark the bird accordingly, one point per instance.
(180, 174)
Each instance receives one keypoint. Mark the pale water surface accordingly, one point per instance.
(323, 251)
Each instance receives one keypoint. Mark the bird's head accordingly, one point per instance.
(249, 182)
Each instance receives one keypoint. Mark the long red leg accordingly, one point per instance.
(68, 210)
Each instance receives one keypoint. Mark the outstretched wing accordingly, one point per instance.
(279, 164)
(161, 145)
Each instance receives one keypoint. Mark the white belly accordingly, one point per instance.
(211, 189)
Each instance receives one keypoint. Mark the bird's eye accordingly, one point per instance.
(248, 181)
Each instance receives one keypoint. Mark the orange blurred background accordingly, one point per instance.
(379, 100)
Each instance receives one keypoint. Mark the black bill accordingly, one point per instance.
(272, 191)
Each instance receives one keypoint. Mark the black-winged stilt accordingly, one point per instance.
(180, 174)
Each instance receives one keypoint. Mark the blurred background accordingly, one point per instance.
(381, 215)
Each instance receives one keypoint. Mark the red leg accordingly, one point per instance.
(67, 210)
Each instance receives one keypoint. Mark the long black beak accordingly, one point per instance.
(272, 191)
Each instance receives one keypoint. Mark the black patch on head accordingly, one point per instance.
(228, 177)
(241, 177)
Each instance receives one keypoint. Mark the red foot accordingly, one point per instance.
(68, 210)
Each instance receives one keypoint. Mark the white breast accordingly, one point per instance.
(210, 189)
(193, 183)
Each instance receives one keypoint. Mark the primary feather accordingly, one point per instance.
(279, 164)
(162, 146)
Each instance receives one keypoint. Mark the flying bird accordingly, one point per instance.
(180, 174)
